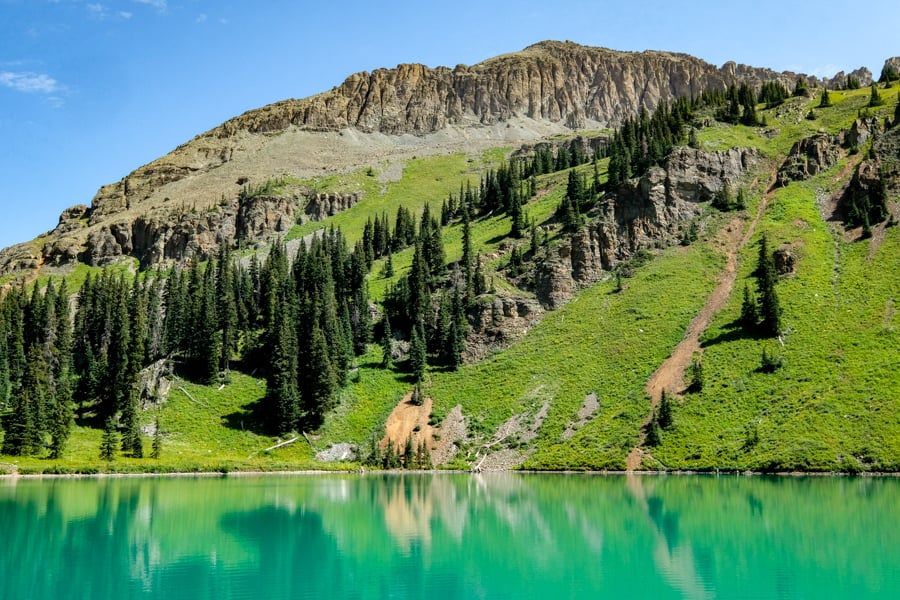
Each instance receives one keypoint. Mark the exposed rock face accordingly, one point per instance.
(891, 63)
(497, 323)
(808, 157)
(876, 179)
(860, 132)
(556, 81)
(839, 82)
(174, 232)
(549, 86)
(648, 213)
(322, 206)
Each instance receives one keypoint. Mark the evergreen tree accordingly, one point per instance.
(61, 417)
(458, 329)
(417, 352)
(110, 440)
(424, 458)
(825, 100)
(386, 342)
(409, 457)
(875, 98)
(374, 458)
(749, 311)
(467, 259)
(517, 218)
(654, 436)
(131, 437)
(226, 308)
(479, 284)
(769, 307)
(282, 395)
(695, 375)
(117, 381)
(23, 430)
(664, 415)
(321, 383)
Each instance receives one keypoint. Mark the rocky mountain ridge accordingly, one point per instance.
(384, 116)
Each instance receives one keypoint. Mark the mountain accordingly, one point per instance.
(160, 213)
(563, 258)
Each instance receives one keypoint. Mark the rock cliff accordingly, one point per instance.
(651, 212)
(182, 203)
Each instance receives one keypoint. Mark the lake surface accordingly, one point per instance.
(447, 536)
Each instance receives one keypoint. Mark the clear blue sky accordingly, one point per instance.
(92, 89)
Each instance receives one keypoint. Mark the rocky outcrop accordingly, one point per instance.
(496, 322)
(891, 65)
(555, 81)
(651, 212)
(551, 85)
(175, 233)
(860, 132)
(321, 206)
(862, 76)
(808, 157)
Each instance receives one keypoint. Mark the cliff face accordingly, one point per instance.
(651, 212)
(384, 115)
(554, 81)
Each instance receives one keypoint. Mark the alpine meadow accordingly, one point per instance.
(564, 258)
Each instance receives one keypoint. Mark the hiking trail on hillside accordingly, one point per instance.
(669, 377)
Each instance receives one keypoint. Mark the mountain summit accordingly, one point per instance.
(160, 212)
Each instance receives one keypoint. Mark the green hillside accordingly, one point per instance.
(830, 405)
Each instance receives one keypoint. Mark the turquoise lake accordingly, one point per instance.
(447, 536)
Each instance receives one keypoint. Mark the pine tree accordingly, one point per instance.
(409, 456)
(695, 375)
(825, 100)
(664, 416)
(388, 266)
(282, 395)
(110, 441)
(226, 308)
(766, 277)
(386, 342)
(117, 381)
(875, 98)
(131, 437)
(62, 411)
(458, 330)
(425, 456)
(417, 352)
(321, 386)
(654, 436)
(467, 261)
(517, 217)
(23, 431)
(749, 312)
(479, 285)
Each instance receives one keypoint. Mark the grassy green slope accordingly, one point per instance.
(831, 406)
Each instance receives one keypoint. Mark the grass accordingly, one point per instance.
(603, 342)
(831, 406)
(424, 180)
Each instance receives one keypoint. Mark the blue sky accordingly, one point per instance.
(92, 89)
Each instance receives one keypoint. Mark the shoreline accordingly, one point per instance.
(363, 472)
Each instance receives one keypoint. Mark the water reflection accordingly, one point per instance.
(458, 536)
